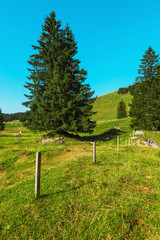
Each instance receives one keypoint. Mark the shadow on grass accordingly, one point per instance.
(105, 136)
(16, 137)
(65, 190)
(7, 136)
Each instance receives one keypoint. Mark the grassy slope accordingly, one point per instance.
(118, 198)
(106, 106)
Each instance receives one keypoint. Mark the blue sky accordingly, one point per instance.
(111, 36)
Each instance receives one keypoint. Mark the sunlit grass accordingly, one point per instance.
(116, 198)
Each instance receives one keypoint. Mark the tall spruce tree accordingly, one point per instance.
(144, 109)
(121, 110)
(1, 121)
(59, 99)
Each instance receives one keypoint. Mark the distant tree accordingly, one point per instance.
(145, 106)
(121, 110)
(59, 100)
(2, 125)
(24, 118)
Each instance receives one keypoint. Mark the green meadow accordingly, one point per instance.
(118, 197)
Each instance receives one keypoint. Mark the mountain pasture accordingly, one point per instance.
(116, 198)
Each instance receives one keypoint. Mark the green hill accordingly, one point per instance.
(106, 105)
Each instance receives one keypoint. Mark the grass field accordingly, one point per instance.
(116, 198)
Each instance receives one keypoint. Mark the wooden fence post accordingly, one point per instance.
(94, 152)
(37, 174)
(129, 142)
(117, 143)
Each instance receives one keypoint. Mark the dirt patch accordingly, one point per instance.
(143, 189)
(125, 179)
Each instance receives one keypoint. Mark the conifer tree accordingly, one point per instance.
(59, 99)
(1, 121)
(121, 110)
(144, 110)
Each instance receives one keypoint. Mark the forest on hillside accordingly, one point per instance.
(10, 117)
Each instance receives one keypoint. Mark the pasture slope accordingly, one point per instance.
(116, 198)
(106, 105)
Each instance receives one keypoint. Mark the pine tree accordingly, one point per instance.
(146, 93)
(121, 110)
(59, 99)
(155, 102)
(1, 121)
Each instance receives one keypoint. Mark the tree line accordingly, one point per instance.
(10, 117)
(1, 121)
(125, 90)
